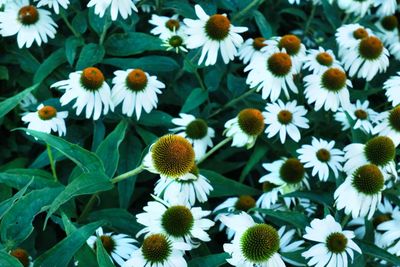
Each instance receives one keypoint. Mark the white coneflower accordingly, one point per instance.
(386, 7)
(272, 72)
(356, 7)
(22, 256)
(321, 156)
(28, 22)
(297, 2)
(287, 245)
(391, 235)
(361, 192)
(158, 250)
(89, 89)
(251, 49)
(389, 33)
(269, 198)
(245, 127)
(166, 26)
(334, 244)
(318, 61)
(136, 90)
(28, 102)
(285, 119)
(176, 42)
(390, 125)
(366, 59)
(55, 4)
(361, 116)
(196, 131)
(348, 36)
(46, 119)
(254, 244)
(392, 87)
(118, 246)
(122, 7)
(213, 33)
(328, 90)
(176, 219)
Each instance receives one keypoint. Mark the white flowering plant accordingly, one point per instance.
(180, 133)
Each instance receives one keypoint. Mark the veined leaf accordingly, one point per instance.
(6, 260)
(376, 252)
(297, 219)
(10, 103)
(132, 43)
(8, 203)
(214, 260)
(49, 65)
(102, 256)
(147, 63)
(91, 54)
(195, 99)
(18, 178)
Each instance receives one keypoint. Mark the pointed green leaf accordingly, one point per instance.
(8, 203)
(376, 252)
(49, 65)
(18, 178)
(147, 63)
(102, 256)
(132, 43)
(297, 219)
(91, 54)
(10, 103)
(197, 97)
(214, 260)
(6, 260)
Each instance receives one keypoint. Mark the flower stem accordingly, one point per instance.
(310, 18)
(246, 9)
(215, 148)
(128, 174)
(105, 29)
(88, 207)
(52, 163)
(64, 18)
(345, 220)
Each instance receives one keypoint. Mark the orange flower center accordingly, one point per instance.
(291, 43)
(279, 64)
(251, 121)
(390, 23)
(285, 116)
(28, 15)
(172, 24)
(325, 59)
(361, 114)
(47, 113)
(370, 48)
(217, 27)
(334, 79)
(92, 79)
(258, 43)
(360, 33)
(22, 255)
(136, 80)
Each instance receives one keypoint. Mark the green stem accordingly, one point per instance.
(64, 18)
(196, 72)
(246, 9)
(345, 220)
(128, 174)
(88, 207)
(107, 24)
(215, 148)
(310, 18)
(52, 163)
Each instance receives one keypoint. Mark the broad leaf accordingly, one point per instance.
(49, 65)
(6, 260)
(149, 63)
(214, 260)
(195, 99)
(297, 219)
(91, 54)
(18, 178)
(376, 252)
(10, 103)
(102, 256)
(128, 44)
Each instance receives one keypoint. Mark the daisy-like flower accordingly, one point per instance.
(361, 192)
(328, 89)
(46, 119)
(192, 186)
(122, 7)
(386, 7)
(348, 36)
(166, 26)
(235, 205)
(285, 119)
(137, 90)
(171, 156)
(89, 89)
(334, 244)
(213, 33)
(55, 4)
(251, 48)
(254, 244)
(297, 2)
(390, 125)
(321, 156)
(392, 87)
(269, 197)
(245, 128)
(272, 72)
(118, 246)
(391, 235)
(22, 256)
(176, 42)
(356, 7)
(389, 34)
(366, 59)
(158, 250)
(28, 22)
(287, 245)
(176, 219)
(288, 175)
(147, 8)
(362, 117)
(27, 102)
(196, 131)
(318, 61)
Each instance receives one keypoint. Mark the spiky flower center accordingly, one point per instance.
(258, 43)
(370, 48)
(361, 114)
(175, 41)
(28, 15)
(136, 80)
(325, 59)
(380, 150)
(323, 155)
(259, 243)
(172, 24)
(172, 155)
(334, 79)
(394, 118)
(177, 221)
(47, 113)
(292, 171)
(267, 186)
(217, 27)
(285, 117)
(279, 64)
(251, 121)
(22, 256)
(360, 33)
(156, 248)
(381, 219)
(92, 79)
(107, 242)
(336, 242)
(368, 179)
(390, 23)
(197, 129)
(245, 203)
(291, 43)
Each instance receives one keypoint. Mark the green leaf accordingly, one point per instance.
(4, 73)
(332, 14)
(259, 151)
(8, 203)
(132, 43)
(263, 25)
(214, 260)
(51, 63)
(71, 45)
(294, 218)
(61, 254)
(79, 22)
(181, 7)
(195, 99)
(149, 63)
(96, 22)
(155, 118)
(10, 103)
(108, 149)
(16, 224)
(6, 260)
(377, 252)
(91, 54)
(18, 178)
(102, 256)
(86, 160)
(227, 187)
(319, 197)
